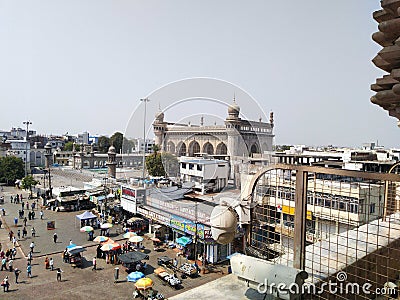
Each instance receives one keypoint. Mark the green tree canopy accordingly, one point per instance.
(69, 146)
(117, 140)
(28, 182)
(128, 145)
(11, 169)
(161, 163)
(103, 144)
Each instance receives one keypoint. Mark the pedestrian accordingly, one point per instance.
(24, 232)
(10, 235)
(33, 231)
(94, 263)
(10, 265)
(3, 264)
(46, 263)
(5, 284)
(11, 199)
(33, 215)
(32, 246)
(51, 262)
(30, 257)
(16, 273)
(41, 214)
(59, 271)
(55, 237)
(14, 241)
(13, 253)
(25, 220)
(70, 242)
(1, 223)
(29, 270)
(4, 211)
(27, 205)
(19, 234)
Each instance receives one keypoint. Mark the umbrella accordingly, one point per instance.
(106, 226)
(101, 238)
(71, 246)
(157, 226)
(109, 247)
(157, 240)
(134, 219)
(144, 283)
(109, 241)
(132, 257)
(134, 276)
(184, 241)
(86, 229)
(136, 239)
(76, 250)
(128, 235)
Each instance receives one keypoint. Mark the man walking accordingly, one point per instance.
(59, 271)
(51, 264)
(29, 270)
(33, 231)
(41, 214)
(10, 265)
(32, 246)
(94, 263)
(17, 272)
(55, 237)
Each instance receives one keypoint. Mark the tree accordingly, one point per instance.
(170, 163)
(116, 140)
(69, 146)
(161, 163)
(11, 169)
(103, 144)
(128, 145)
(28, 182)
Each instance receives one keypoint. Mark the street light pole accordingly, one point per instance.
(144, 100)
(27, 123)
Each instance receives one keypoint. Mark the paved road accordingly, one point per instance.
(79, 283)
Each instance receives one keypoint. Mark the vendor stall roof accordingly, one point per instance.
(132, 257)
(86, 215)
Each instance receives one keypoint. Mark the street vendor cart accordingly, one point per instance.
(75, 256)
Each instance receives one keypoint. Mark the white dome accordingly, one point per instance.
(223, 224)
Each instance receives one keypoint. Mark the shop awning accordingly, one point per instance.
(134, 219)
(184, 241)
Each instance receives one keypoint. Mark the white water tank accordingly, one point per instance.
(223, 221)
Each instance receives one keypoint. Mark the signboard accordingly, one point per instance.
(131, 198)
(290, 210)
(154, 216)
(51, 225)
(187, 226)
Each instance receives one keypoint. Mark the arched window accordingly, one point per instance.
(221, 149)
(194, 147)
(208, 148)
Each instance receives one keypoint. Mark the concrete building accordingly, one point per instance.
(207, 175)
(21, 149)
(144, 146)
(83, 138)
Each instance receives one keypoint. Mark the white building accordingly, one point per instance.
(142, 146)
(21, 149)
(208, 175)
(83, 138)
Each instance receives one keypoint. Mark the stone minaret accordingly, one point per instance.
(48, 155)
(112, 162)
(159, 127)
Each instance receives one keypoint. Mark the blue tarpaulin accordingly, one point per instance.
(184, 241)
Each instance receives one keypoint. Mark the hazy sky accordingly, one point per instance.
(74, 66)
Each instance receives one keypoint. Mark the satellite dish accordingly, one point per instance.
(223, 221)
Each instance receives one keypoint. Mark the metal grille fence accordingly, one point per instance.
(342, 227)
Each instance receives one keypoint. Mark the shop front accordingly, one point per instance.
(203, 245)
